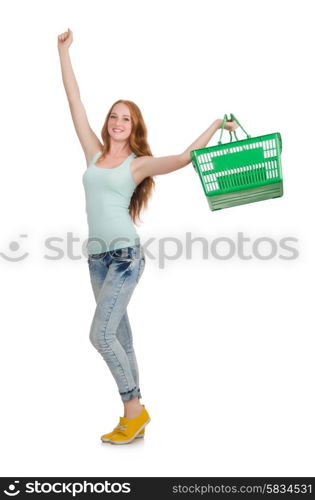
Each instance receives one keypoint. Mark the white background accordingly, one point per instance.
(225, 347)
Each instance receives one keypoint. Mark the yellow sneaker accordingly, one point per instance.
(130, 428)
(106, 437)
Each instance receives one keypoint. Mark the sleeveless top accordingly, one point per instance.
(107, 194)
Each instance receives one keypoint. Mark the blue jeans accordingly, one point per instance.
(114, 275)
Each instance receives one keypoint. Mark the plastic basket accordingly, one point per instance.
(240, 172)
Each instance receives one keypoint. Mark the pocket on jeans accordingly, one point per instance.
(122, 254)
(95, 256)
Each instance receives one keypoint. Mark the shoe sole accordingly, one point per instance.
(106, 440)
(129, 440)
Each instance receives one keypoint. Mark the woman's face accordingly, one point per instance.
(119, 122)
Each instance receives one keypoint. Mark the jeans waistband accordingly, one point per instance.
(130, 250)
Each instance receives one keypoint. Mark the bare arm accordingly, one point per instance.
(68, 77)
(88, 139)
(149, 166)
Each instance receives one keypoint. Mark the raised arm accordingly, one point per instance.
(88, 139)
(149, 166)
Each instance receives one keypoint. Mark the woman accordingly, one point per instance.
(118, 183)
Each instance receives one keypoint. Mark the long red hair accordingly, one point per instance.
(139, 145)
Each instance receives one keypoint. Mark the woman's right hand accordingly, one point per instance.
(65, 40)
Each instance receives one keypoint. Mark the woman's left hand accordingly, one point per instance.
(230, 126)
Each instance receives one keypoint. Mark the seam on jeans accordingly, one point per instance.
(141, 267)
(104, 333)
(129, 337)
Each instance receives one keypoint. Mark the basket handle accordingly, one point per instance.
(231, 119)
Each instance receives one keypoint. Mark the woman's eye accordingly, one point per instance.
(112, 116)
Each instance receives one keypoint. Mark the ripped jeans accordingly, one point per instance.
(114, 275)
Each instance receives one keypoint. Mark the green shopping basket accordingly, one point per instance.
(240, 172)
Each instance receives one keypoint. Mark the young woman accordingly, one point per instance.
(118, 182)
